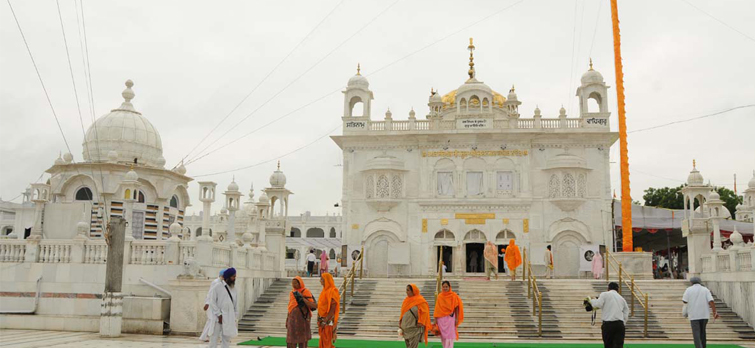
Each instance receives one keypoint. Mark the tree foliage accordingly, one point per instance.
(672, 198)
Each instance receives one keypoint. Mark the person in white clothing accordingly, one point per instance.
(205, 337)
(225, 310)
(548, 259)
(698, 301)
(614, 313)
(311, 258)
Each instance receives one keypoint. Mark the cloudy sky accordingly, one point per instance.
(192, 62)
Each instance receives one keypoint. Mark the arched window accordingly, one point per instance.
(295, 232)
(174, 201)
(332, 232)
(84, 194)
(444, 235)
(593, 102)
(127, 194)
(315, 232)
(332, 254)
(569, 186)
(141, 197)
(505, 236)
(474, 103)
(356, 107)
(554, 187)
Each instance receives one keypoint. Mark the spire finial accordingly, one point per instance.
(127, 93)
(234, 178)
(471, 58)
(359, 69)
(512, 88)
(694, 164)
(279, 164)
(591, 63)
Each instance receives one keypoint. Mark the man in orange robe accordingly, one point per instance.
(513, 258)
(328, 307)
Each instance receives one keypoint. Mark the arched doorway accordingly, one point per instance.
(502, 240)
(444, 243)
(474, 248)
(376, 256)
(566, 253)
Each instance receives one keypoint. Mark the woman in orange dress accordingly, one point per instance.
(513, 258)
(414, 322)
(449, 314)
(328, 306)
(298, 329)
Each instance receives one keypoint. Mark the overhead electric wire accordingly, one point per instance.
(457, 31)
(41, 82)
(571, 65)
(595, 29)
(720, 21)
(694, 118)
(265, 78)
(579, 46)
(277, 157)
(303, 74)
(76, 95)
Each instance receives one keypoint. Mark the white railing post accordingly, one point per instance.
(733, 266)
(203, 251)
(233, 261)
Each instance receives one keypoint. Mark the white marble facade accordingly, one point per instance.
(474, 170)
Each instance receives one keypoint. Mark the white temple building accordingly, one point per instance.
(475, 170)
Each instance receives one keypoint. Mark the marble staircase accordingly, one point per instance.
(498, 310)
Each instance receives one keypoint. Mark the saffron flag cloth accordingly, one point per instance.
(513, 256)
(445, 305)
(423, 309)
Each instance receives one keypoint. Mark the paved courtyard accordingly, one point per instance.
(62, 339)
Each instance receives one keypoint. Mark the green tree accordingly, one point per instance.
(672, 198)
(664, 197)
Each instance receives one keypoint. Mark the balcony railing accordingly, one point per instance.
(590, 122)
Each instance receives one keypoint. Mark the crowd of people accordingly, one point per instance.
(415, 322)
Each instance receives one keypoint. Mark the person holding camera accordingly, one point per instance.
(614, 313)
(301, 303)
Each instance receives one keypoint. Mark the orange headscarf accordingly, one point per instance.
(423, 309)
(292, 304)
(513, 257)
(329, 293)
(491, 254)
(445, 305)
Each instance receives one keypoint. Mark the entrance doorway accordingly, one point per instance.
(447, 255)
(475, 257)
(501, 263)
(502, 239)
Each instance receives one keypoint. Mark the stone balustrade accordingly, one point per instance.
(12, 250)
(138, 252)
(740, 260)
(596, 121)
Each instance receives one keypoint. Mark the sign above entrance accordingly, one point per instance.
(475, 153)
(474, 123)
(474, 219)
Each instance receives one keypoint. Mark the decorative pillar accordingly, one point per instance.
(130, 187)
(172, 248)
(206, 196)
(232, 199)
(40, 196)
(716, 207)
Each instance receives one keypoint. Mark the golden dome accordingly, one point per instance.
(449, 99)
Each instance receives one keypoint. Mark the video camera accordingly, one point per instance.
(588, 306)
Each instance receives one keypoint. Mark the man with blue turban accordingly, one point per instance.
(205, 337)
(225, 310)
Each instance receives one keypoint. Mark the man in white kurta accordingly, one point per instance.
(205, 337)
(548, 259)
(225, 310)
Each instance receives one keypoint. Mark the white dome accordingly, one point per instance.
(233, 186)
(127, 132)
(474, 85)
(175, 229)
(68, 157)
(359, 81)
(591, 77)
(278, 179)
(180, 169)
(714, 196)
(131, 175)
(264, 199)
(436, 98)
(512, 94)
(751, 183)
(695, 178)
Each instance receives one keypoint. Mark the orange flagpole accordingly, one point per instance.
(626, 197)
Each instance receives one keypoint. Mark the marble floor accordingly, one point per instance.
(62, 339)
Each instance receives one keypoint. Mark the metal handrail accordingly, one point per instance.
(533, 292)
(636, 293)
(439, 277)
(350, 278)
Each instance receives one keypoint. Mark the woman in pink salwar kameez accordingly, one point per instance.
(449, 314)
(597, 266)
